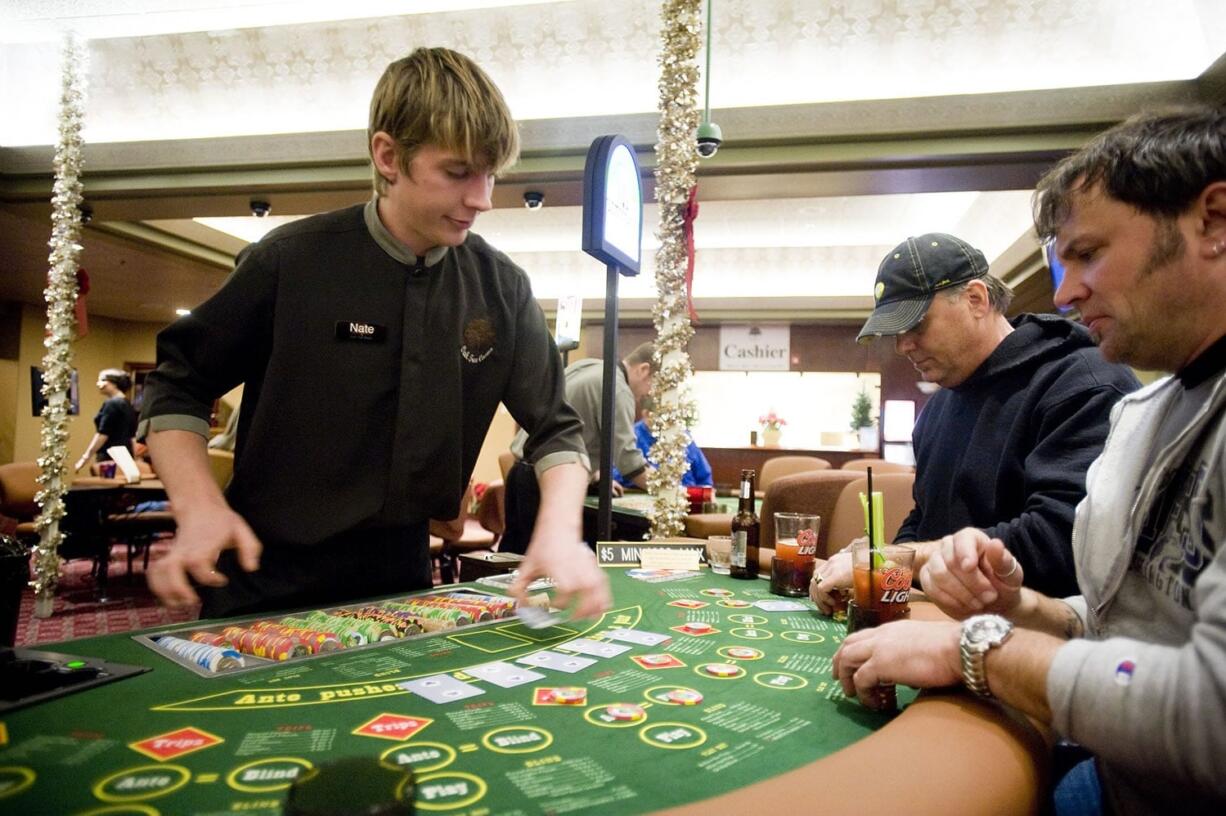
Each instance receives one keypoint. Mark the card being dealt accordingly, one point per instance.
(557, 662)
(638, 638)
(505, 675)
(441, 688)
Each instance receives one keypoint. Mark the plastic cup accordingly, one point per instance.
(719, 554)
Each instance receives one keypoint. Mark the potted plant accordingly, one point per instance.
(862, 421)
(772, 428)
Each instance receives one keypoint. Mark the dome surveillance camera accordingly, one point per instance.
(709, 139)
(260, 208)
(534, 200)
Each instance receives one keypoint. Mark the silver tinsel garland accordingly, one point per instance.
(676, 161)
(61, 296)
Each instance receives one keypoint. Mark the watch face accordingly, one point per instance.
(986, 628)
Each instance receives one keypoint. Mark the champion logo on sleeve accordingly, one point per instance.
(1123, 672)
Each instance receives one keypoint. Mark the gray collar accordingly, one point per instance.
(390, 244)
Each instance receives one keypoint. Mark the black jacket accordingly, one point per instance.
(1007, 450)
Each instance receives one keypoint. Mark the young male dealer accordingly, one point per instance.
(375, 343)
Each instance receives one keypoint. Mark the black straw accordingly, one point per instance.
(872, 539)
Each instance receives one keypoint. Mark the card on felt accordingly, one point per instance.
(506, 675)
(441, 688)
(595, 648)
(638, 638)
(556, 661)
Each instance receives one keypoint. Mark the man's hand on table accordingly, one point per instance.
(577, 578)
(921, 654)
(831, 583)
(201, 537)
(969, 573)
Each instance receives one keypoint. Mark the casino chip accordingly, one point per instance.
(684, 697)
(698, 626)
(625, 713)
(743, 652)
(722, 669)
(656, 659)
(569, 696)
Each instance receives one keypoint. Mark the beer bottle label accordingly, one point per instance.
(740, 542)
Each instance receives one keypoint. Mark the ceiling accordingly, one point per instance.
(848, 125)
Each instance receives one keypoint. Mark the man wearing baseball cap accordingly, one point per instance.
(1022, 411)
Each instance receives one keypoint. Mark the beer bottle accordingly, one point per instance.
(745, 531)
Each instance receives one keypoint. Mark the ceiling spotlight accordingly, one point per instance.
(260, 208)
(533, 199)
(183, 312)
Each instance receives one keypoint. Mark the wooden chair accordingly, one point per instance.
(847, 518)
(813, 492)
(18, 484)
(878, 466)
(778, 466)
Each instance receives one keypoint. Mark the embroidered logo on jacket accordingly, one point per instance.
(478, 340)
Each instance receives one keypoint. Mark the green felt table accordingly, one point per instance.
(779, 729)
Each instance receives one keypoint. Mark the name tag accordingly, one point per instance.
(360, 330)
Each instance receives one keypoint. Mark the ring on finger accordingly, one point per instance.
(1012, 570)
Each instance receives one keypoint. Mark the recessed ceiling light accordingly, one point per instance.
(181, 312)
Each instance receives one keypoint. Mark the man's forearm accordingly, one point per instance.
(1017, 671)
(1049, 615)
(561, 509)
(182, 462)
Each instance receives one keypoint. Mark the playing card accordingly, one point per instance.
(596, 648)
(780, 606)
(556, 661)
(534, 617)
(506, 675)
(638, 638)
(441, 688)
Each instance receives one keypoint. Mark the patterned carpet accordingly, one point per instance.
(77, 612)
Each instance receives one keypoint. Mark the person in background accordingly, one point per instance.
(115, 422)
(584, 384)
(1133, 668)
(699, 472)
(1023, 409)
(375, 343)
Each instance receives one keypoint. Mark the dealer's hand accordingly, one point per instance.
(579, 583)
(921, 654)
(201, 537)
(969, 573)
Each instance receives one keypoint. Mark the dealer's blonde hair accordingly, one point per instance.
(436, 96)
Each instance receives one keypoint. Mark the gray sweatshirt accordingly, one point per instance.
(1145, 690)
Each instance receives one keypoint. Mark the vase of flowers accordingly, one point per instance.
(772, 428)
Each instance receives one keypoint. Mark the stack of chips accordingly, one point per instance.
(211, 658)
(314, 640)
(345, 629)
(265, 643)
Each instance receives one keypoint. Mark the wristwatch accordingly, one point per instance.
(979, 634)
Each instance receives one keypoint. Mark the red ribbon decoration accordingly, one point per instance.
(687, 227)
(79, 308)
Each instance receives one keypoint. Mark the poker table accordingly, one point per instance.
(735, 712)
